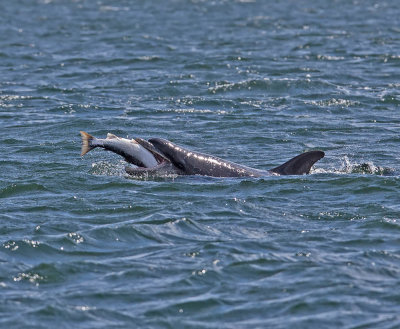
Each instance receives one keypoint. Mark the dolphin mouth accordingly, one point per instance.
(142, 170)
(160, 158)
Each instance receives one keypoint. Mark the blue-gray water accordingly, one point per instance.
(255, 82)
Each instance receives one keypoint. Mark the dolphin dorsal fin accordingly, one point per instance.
(300, 164)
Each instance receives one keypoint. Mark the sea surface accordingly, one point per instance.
(82, 245)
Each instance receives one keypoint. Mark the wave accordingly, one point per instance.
(276, 85)
(21, 188)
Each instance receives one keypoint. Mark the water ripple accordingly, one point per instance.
(84, 245)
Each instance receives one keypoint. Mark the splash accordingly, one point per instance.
(364, 168)
(105, 168)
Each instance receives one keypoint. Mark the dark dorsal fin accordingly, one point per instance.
(300, 164)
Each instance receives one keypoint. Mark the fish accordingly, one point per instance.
(129, 149)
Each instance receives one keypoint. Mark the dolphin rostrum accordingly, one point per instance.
(159, 157)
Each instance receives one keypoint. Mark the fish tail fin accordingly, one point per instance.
(86, 143)
(300, 164)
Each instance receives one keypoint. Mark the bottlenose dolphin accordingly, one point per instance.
(158, 157)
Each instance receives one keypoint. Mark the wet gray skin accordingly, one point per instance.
(188, 162)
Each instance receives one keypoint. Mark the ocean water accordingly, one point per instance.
(82, 245)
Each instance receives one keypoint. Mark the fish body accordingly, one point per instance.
(131, 150)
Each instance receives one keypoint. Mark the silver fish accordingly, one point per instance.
(131, 150)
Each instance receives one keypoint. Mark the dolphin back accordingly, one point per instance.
(189, 162)
(300, 164)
